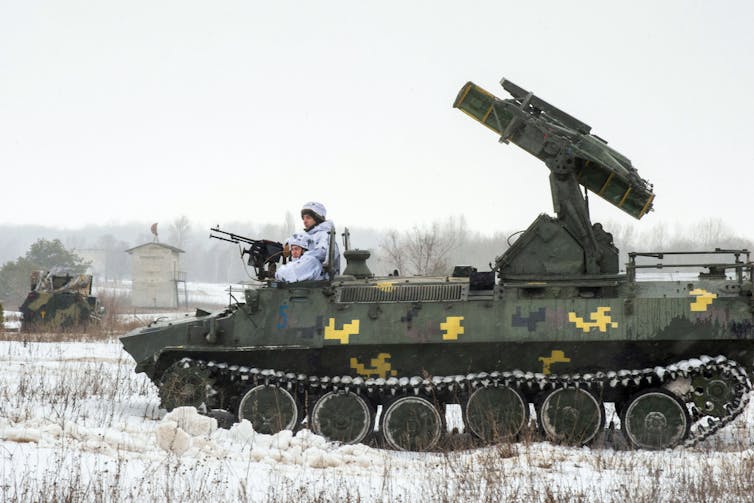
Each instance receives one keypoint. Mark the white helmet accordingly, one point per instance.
(302, 240)
(316, 210)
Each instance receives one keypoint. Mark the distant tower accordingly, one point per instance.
(156, 275)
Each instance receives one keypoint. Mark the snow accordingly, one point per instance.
(184, 431)
(12, 320)
(198, 293)
(77, 424)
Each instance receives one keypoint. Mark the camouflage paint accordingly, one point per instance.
(507, 329)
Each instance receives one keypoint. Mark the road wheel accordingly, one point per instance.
(269, 409)
(655, 419)
(571, 416)
(411, 423)
(184, 385)
(495, 413)
(343, 417)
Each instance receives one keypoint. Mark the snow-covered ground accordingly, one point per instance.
(195, 293)
(12, 320)
(76, 424)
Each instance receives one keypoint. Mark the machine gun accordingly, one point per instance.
(574, 157)
(262, 252)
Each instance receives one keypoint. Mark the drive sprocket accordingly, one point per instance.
(183, 384)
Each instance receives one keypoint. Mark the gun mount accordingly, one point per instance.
(263, 253)
(574, 157)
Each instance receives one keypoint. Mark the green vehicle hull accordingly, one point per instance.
(541, 328)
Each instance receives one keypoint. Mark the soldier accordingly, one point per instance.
(313, 215)
(303, 266)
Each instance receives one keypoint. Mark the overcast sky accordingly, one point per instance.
(220, 111)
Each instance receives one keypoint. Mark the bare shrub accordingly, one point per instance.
(115, 305)
(424, 251)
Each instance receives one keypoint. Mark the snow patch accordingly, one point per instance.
(190, 421)
(185, 432)
(172, 438)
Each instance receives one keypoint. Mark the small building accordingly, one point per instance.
(156, 275)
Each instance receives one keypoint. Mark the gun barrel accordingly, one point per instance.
(232, 238)
(223, 239)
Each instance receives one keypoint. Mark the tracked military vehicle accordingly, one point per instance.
(59, 301)
(554, 324)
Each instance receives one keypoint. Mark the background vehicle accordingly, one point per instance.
(58, 301)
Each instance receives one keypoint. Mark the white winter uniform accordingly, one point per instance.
(305, 268)
(320, 235)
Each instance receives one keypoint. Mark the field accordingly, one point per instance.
(76, 424)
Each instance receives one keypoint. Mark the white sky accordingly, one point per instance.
(147, 110)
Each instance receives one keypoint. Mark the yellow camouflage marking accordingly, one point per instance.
(385, 286)
(487, 115)
(452, 327)
(482, 123)
(604, 185)
(460, 101)
(703, 299)
(342, 335)
(466, 90)
(625, 195)
(380, 367)
(600, 319)
(556, 356)
(646, 206)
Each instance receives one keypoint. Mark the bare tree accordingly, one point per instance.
(116, 259)
(179, 231)
(289, 226)
(393, 250)
(659, 237)
(712, 232)
(424, 251)
(428, 250)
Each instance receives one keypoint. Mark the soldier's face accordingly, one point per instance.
(296, 251)
(308, 221)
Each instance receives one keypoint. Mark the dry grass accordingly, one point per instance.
(91, 335)
(112, 321)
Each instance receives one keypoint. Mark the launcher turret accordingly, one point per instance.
(574, 157)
